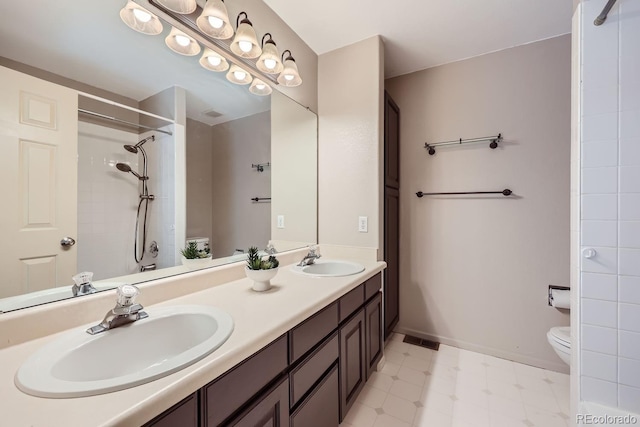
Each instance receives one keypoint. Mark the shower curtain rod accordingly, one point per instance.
(103, 116)
(603, 15)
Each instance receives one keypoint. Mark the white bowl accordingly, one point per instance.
(196, 263)
(261, 278)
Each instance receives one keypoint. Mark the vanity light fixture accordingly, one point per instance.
(212, 61)
(269, 62)
(238, 76)
(260, 88)
(179, 6)
(289, 76)
(245, 43)
(181, 43)
(214, 20)
(138, 18)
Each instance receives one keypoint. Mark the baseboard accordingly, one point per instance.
(533, 361)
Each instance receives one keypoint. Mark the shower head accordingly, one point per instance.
(123, 166)
(134, 148)
(126, 168)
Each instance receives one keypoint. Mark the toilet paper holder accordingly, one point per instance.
(555, 287)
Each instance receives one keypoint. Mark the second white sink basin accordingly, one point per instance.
(78, 364)
(331, 268)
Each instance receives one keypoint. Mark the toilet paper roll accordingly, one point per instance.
(560, 298)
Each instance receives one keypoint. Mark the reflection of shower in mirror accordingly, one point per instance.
(140, 242)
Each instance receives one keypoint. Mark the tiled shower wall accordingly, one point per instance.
(108, 200)
(610, 205)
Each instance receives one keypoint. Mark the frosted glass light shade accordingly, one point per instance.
(269, 62)
(212, 61)
(238, 76)
(290, 76)
(258, 87)
(245, 43)
(138, 18)
(179, 6)
(181, 43)
(214, 20)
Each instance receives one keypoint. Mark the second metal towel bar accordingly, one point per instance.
(505, 192)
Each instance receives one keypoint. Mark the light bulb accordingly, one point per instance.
(270, 63)
(182, 40)
(261, 86)
(214, 60)
(142, 15)
(288, 77)
(245, 46)
(215, 22)
(239, 75)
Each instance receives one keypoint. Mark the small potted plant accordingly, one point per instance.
(194, 258)
(260, 270)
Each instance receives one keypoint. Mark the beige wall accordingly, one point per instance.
(237, 222)
(294, 171)
(474, 270)
(350, 97)
(199, 179)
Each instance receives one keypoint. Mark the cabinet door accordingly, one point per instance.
(183, 414)
(352, 361)
(392, 257)
(270, 410)
(391, 143)
(321, 407)
(373, 320)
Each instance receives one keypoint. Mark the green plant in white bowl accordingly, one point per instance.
(261, 270)
(193, 258)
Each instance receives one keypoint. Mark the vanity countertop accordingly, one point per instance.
(259, 317)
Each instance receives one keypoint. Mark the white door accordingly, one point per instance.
(38, 175)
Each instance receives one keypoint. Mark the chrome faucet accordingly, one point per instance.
(82, 284)
(311, 256)
(126, 311)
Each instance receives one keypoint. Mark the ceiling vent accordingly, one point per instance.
(211, 113)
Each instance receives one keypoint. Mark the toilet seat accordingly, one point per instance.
(561, 335)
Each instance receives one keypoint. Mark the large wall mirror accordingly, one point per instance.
(163, 152)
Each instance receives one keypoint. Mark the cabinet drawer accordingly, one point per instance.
(229, 392)
(182, 414)
(302, 378)
(306, 335)
(372, 286)
(350, 302)
(321, 408)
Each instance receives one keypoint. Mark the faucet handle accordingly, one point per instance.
(314, 250)
(127, 295)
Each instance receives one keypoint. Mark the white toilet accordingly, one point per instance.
(560, 339)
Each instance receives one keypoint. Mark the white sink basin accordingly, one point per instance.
(78, 364)
(331, 268)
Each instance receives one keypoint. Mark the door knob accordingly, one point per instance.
(67, 242)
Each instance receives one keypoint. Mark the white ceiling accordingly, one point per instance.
(419, 34)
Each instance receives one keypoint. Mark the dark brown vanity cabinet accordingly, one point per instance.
(182, 414)
(308, 377)
(352, 361)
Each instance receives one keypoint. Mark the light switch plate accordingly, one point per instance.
(363, 225)
(280, 221)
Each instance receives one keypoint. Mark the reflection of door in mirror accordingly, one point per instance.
(39, 143)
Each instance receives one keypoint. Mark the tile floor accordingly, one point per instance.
(458, 388)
